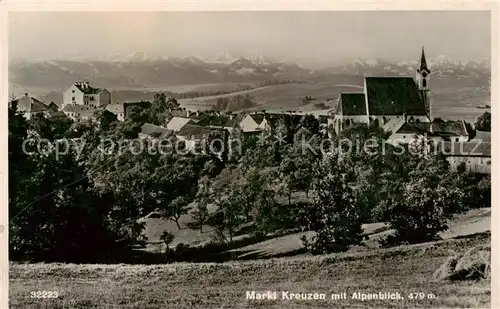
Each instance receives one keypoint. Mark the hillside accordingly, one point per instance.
(56, 75)
(458, 87)
(209, 285)
(471, 222)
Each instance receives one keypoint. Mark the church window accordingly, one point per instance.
(424, 82)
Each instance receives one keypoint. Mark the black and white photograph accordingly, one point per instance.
(249, 158)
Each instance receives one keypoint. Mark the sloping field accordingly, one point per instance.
(404, 270)
(285, 96)
(471, 222)
(449, 101)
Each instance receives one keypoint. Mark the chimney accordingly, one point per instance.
(26, 94)
(187, 113)
(231, 117)
(404, 117)
(197, 113)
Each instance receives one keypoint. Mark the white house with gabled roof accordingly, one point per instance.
(82, 93)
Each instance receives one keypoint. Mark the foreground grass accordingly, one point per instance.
(405, 269)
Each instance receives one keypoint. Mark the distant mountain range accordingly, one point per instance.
(137, 71)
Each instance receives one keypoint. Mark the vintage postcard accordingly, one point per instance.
(248, 155)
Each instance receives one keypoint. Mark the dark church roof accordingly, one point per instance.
(394, 96)
(351, 104)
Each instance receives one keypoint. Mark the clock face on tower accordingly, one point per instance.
(424, 74)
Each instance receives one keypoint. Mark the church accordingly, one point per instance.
(387, 98)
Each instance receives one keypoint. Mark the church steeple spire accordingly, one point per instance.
(423, 63)
(423, 77)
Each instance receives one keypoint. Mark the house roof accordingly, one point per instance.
(393, 125)
(414, 127)
(115, 108)
(31, 104)
(136, 103)
(466, 149)
(177, 123)
(351, 104)
(456, 128)
(75, 108)
(155, 131)
(55, 114)
(82, 111)
(197, 131)
(258, 118)
(185, 114)
(219, 120)
(87, 89)
(393, 96)
(482, 136)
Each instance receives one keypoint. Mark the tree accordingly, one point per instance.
(203, 197)
(167, 239)
(418, 208)
(229, 214)
(483, 123)
(311, 123)
(333, 217)
(178, 207)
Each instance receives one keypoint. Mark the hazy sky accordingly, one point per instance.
(326, 37)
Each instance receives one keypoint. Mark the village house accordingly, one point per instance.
(482, 136)
(385, 99)
(55, 115)
(79, 113)
(177, 123)
(218, 121)
(122, 110)
(31, 106)
(403, 132)
(256, 122)
(474, 155)
(81, 93)
(154, 133)
(197, 138)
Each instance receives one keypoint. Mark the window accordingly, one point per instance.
(424, 82)
(72, 91)
(73, 98)
(91, 98)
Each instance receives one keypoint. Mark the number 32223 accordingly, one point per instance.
(44, 294)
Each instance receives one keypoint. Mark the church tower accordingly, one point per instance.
(423, 82)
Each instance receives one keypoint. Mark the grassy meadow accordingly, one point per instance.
(404, 269)
(367, 269)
